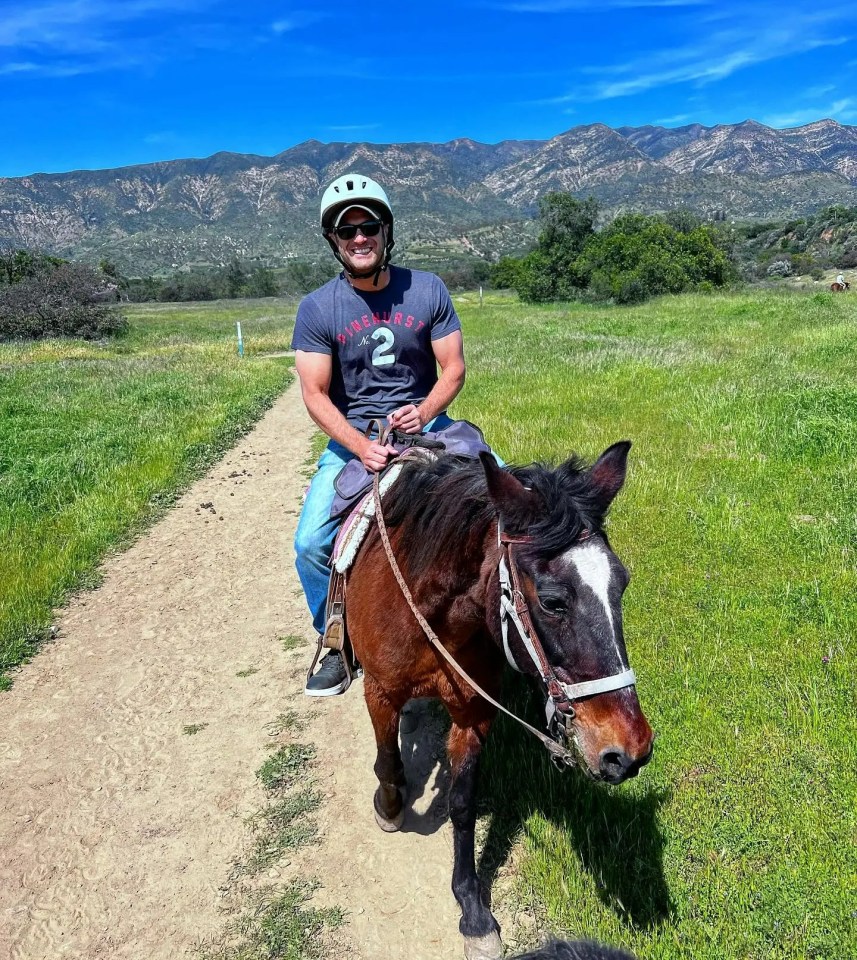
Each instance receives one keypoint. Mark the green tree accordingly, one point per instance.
(18, 265)
(301, 277)
(236, 279)
(505, 273)
(552, 270)
(262, 283)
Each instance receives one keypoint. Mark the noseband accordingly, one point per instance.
(559, 709)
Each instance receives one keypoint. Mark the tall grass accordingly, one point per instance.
(95, 439)
(739, 523)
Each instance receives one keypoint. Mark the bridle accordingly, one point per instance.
(513, 606)
(559, 709)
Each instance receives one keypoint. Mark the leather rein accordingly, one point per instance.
(513, 606)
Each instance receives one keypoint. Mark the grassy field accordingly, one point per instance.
(739, 523)
(96, 439)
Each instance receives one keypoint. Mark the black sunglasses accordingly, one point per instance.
(348, 231)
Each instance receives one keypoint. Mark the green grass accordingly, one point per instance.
(193, 728)
(277, 925)
(739, 523)
(284, 768)
(273, 921)
(292, 641)
(97, 439)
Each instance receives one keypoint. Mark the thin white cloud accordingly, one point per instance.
(296, 20)
(842, 110)
(56, 69)
(668, 121)
(83, 36)
(723, 52)
(811, 93)
(61, 25)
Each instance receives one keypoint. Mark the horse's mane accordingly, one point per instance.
(440, 502)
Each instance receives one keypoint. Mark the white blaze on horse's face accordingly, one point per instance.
(592, 566)
(600, 582)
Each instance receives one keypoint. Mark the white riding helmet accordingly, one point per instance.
(354, 190)
(349, 190)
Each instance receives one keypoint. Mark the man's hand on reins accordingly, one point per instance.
(407, 419)
(374, 456)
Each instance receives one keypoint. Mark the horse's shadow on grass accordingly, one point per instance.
(615, 834)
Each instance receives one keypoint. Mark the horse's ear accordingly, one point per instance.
(513, 500)
(608, 472)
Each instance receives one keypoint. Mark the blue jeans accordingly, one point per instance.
(316, 532)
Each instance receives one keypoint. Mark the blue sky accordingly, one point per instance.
(105, 83)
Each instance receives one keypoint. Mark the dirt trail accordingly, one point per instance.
(117, 829)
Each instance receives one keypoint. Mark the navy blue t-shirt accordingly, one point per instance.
(380, 341)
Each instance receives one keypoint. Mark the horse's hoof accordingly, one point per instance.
(394, 825)
(390, 826)
(489, 947)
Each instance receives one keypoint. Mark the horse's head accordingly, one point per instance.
(572, 584)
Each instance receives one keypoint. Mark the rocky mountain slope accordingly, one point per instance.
(457, 198)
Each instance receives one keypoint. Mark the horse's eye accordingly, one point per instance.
(552, 605)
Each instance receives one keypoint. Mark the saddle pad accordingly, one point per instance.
(356, 525)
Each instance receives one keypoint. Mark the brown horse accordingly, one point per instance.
(496, 559)
(837, 287)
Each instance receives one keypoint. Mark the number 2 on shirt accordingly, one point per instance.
(382, 355)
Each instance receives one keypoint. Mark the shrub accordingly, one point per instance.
(68, 300)
(779, 268)
(636, 257)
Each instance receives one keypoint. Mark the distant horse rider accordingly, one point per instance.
(368, 345)
(843, 283)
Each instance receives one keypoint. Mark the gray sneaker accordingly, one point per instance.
(330, 679)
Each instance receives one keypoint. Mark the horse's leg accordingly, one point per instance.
(480, 929)
(389, 797)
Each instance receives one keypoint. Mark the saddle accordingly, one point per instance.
(355, 503)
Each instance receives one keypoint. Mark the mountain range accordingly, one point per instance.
(451, 200)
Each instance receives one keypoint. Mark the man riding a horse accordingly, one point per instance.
(368, 345)
(840, 284)
(465, 565)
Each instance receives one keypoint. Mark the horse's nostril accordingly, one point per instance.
(614, 765)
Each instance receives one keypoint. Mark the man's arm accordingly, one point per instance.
(449, 353)
(315, 371)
